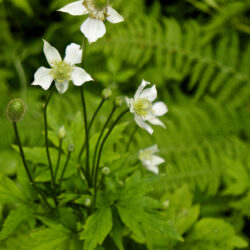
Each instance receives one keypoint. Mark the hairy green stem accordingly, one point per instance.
(64, 169)
(90, 125)
(100, 154)
(26, 166)
(94, 168)
(47, 141)
(59, 157)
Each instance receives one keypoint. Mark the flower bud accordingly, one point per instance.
(87, 202)
(165, 204)
(71, 148)
(119, 101)
(106, 93)
(105, 171)
(61, 133)
(15, 110)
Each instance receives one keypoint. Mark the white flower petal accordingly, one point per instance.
(153, 169)
(153, 149)
(129, 102)
(51, 53)
(157, 121)
(43, 78)
(93, 29)
(80, 76)
(73, 54)
(143, 124)
(62, 86)
(141, 87)
(149, 94)
(114, 16)
(156, 160)
(76, 9)
(160, 108)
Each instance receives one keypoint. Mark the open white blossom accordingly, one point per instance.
(61, 71)
(99, 11)
(143, 108)
(149, 160)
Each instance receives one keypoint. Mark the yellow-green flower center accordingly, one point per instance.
(142, 107)
(61, 71)
(145, 155)
(97, 8)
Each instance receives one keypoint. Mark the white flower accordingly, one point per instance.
(149, 160)
(61, 71)
(99, 11)
(143, 109)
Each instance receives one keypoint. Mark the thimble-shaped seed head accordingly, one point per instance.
(105, 171)
(15, 110)
(119, 101)
(71, 148)
(106, 93)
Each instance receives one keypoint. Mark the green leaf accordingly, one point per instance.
(9, 192)
(212, 234)
(14, 219)
(47, 238)
(97, 228)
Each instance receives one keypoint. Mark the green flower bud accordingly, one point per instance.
(119, 101)
(87, 202)
(61, 133)
(71, 148)
(165, 204)
(15, 110)
(105, 171)
(106, 93)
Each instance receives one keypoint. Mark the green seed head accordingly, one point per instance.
(142, 107)
(105, 171)
(71, 148)
(100, 4)
(61, 71)
(15, 110)
(119, 101)
(61, 133)
(106, 94)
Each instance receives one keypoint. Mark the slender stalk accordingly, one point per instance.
(90, 125)
(59, 157)
(86, 135)
(98, 142)
(47, 141)
(131, 138)
(100, 154)
(64, 169)
(26, 166)
(87, 171)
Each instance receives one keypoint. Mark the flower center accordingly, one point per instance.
(142, 107)
(61, 71)
(145, 155)
(97, 8)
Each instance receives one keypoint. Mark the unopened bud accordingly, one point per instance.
(165, 204)
(15, 110)
(105, 171)
(87, 202)
(61, 133)
(119, 101)
(71, 148)
(106, 93)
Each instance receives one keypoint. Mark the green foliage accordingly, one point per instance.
(211, 233)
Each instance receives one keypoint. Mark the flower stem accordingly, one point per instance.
(90, 125)
(46, 139)
(100, 154)
(26, 166)
(59, 157)
(131, 138)
(94, 168)
(64, 169)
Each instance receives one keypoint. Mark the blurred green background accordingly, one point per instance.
(197, 52)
